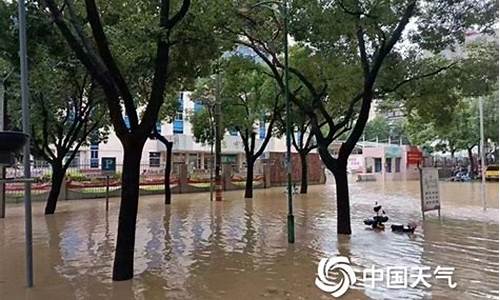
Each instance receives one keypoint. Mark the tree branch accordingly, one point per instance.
(105, 53)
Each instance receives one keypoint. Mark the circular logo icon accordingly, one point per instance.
(347, 277)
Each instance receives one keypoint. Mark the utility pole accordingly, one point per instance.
(212, 160)
(2, 128)
(290, 218)
(481, 150)
(218, 138)
(23, 54)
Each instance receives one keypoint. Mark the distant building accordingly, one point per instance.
(185, 149)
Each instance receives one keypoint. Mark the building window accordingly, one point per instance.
(94, 155)
(388, 164)
(126, 120)
(178, 127)
(398, 164)
(158, 127)
(233, 131)
(154, 159)
(198, 106)
(262, 130)
(378, 165)
(179, 118)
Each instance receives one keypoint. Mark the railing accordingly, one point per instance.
(84, 182)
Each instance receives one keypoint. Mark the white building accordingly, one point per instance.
(185, 148)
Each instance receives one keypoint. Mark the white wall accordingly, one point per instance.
(182, 142)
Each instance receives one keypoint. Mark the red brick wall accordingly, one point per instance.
(278, 172)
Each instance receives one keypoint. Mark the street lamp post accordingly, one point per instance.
(290, 217)
(218, 138)
(26, 129)
(284, 15)
(481, 150)
(212, 160)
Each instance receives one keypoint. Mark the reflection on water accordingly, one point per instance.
(238, 249)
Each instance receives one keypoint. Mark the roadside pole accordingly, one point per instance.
(212, 160)
(23, 55)
(107, 193)
(218, 138)
(421, 191)
(481, 150)
(2, 168)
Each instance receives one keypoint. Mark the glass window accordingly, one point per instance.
(388, 164)
(158, 127)
(154, 159)
(233, 131)
(127, 122)
(398, 164)
(198, 106)
(262, 130)
(378, 165)
(178, 127)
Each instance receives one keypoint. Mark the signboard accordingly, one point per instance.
(355, 163)
(392, 151)
(413, 156)
(108, 165)
(228, 159)
(429, 189)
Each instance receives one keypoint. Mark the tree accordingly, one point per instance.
(377, 128)
(67, 107)
(93, 48)
(302, 140)
(248, 99)
(358, 43)
(67, 112)
(449, 111)
(167, 113)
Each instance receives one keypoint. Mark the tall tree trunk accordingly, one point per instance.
(471, 160)
(304, 176)
(168, 170)
(249, 179)
(339, 169)
(57, 178)
(343, 209)
(123, 268)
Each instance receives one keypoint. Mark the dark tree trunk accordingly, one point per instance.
(339, 169)
(249, 179)
(471, 160)
(57, 178)
(343, 209)
(168, 169)
(304, 177)
(123, 268)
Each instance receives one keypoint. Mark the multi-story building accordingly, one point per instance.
(185, 149)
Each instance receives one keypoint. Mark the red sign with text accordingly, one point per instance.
(413, 156)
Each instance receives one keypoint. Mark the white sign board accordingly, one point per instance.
(429, 183)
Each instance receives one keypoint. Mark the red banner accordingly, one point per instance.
(413, 156)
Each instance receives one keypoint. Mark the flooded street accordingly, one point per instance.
(238, 249)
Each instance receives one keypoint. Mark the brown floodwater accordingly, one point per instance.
(238, 249)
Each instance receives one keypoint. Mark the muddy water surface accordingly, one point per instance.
(237, 249)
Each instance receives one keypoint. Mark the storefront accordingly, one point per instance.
(391, 162)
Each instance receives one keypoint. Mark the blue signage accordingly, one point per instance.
(108, 165)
